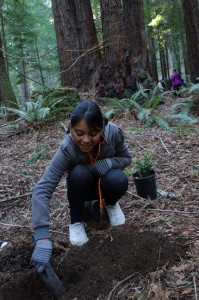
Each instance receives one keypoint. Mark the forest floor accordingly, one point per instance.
(153, 256)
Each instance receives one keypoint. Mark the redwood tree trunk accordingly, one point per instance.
(113, 73)
(114, 39)
(125, 49)
(78, 50)
(136, 39)
(192, 41)
(195, 10)
(135, 31)
(91, 54)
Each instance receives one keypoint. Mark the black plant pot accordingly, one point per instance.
(146, 186)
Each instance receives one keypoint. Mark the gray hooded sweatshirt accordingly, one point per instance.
(114, 150)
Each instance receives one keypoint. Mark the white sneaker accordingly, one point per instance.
(77, 234)
(115, 214)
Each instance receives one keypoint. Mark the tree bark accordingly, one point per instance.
(78, 50)
(7, 96)
(195, 17)
(114, 38)
(136, 40)
(124, 47)
(192, 41)
(113, 73)
(135, 31)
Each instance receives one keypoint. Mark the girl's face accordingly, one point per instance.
(85, 138)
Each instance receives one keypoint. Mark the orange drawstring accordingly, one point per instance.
(93, 161)
(100, 195)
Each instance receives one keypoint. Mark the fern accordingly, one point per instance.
(162, 123)
(111, 112)
(182, 117)
(194, 88)
(36, 111)
(144, 114)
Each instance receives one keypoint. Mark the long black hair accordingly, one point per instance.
(90, 112)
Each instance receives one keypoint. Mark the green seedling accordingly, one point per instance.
(144, 165)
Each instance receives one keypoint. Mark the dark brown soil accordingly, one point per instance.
(91, 271)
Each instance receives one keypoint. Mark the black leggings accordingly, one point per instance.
(83, 186)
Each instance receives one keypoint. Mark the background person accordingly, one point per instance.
(176, 80)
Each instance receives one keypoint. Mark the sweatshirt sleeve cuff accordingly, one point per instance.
(109, 163)
(41, 232)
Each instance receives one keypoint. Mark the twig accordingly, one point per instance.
(119, 283)
(140, 145)
(30, 57)
(195, 287)
(25, 76)
(173, 211)
(58, 232)
(134, 195)
(14, 225)
(16, 197)
(163, 144)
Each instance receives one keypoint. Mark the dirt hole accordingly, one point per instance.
(91, 271)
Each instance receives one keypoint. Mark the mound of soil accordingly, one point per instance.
(89, 272)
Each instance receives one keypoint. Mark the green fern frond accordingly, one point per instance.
(109, 113)
(194, 88)
(181, 117)
(144, 114)
(162, 123)
(23, 114)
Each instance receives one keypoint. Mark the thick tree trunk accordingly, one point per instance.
(135, 31)
(78, 49)
(125, 50)
(192, 41)
(195, 17)
(136, 39)
(89, 42)
(114, 39)
(113, 73)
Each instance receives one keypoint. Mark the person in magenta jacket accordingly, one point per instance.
(176, 80)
